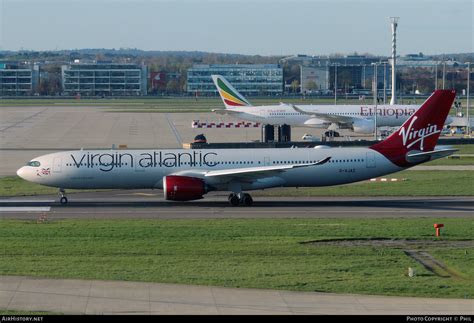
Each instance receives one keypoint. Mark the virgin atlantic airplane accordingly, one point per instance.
(186, 175)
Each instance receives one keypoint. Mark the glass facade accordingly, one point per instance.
(248, 79)
(17, 81)
(104, 79)
(353, 72)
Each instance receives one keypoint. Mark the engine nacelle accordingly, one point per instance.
(316, 123)
(363, 126)
(183, 188)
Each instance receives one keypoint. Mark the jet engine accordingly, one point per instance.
(363, 126)
(183, 188)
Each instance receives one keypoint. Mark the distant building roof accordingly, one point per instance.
(217, 66)
(419, 60)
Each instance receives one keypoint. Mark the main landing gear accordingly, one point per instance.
(63, 199)
(240, 198)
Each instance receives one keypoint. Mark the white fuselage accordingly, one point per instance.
(124, 169)
(387, 115)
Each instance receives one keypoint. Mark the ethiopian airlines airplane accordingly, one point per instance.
(185, 174)
(359, 118)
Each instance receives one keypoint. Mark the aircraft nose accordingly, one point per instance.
(21, 172)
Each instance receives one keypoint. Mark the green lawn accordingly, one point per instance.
(464, 149)
(16, 186)
(341, 99)
(452, 161)
(168, 101)
(250, 253)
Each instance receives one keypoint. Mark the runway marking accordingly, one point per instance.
(25, 208)
(27, 201)
(175, 131)
(21, 121)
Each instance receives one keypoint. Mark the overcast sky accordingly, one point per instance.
(263, 27)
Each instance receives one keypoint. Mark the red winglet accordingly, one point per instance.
(421, 131)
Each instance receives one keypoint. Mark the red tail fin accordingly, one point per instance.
(421, 131)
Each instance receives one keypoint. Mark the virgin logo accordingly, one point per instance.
(412, 136)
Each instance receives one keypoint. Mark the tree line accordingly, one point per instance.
(177, 63)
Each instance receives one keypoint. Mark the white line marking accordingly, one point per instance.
(27, 201)
(173, 128)
(25, 208)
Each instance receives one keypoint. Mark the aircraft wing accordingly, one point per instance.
(226, 111)
(259, 172)
(324, 116)
(247, 174)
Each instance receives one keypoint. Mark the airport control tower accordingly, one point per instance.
(394, 21)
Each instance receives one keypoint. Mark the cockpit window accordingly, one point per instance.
(33, 163)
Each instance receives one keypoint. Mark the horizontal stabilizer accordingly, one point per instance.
(417, 157)
(226, 111)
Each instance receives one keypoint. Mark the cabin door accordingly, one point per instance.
(57, 165)
(370, 160)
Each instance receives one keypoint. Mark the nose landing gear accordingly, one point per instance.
(240, 199)
(63, 199)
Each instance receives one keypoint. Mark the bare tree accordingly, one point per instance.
(295, 85)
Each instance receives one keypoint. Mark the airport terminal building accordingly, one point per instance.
(249, 79)
(318, 74)
(17, 79)
(104, 79)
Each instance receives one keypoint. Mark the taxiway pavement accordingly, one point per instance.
(138, 204)
(70, 296)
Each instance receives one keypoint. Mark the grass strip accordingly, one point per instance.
(246, 253)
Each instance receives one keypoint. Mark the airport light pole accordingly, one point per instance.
(375, 99)
(468, 94)
(436, 75)
(363, 76)
(394, 21)
(335, 83)
(374, 87)
(384, 82)
(444, 72)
